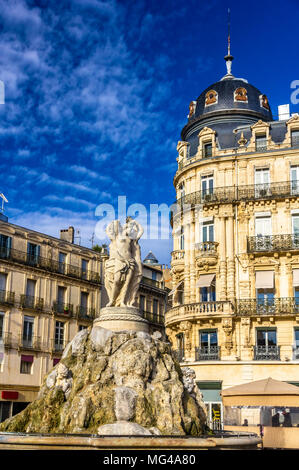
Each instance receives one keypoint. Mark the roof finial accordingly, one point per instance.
(228, 58)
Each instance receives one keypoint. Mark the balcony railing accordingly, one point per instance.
(266, 353)
(63, 309)
(179, 354)
(177, 255)
(269, 243)
(151, 282)
(274, 306)
(48, 264)
(30, 302)
(153, 317)
(208, 307)
(85, 313)
(31, 342)
(207, 247)
(206, 353)
(6, 339)
(58, 345)
(218, 195)
(7, 298)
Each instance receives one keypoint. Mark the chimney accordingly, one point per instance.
(67, 234)
(283, 112)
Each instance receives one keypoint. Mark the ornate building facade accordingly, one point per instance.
(235, 259)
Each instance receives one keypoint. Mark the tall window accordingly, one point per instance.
(1, 324)
(181, 191)
(207, 185)
(263, 230)
(260, 143)
(5, 246)
(3, 279)
(208, 294)
(207, 150)
(266, 338)
(33, 253)
(294, 177)
(154, 275)
(26, 364)
(180, 343)
(28, 331)
(262, 182)
(84, 303)
(62, 258)
(208, 232)
(155, 306)
(142, 303)
(182, 239)
(296, 345)
(84, 267)
(59, 336)
(30, 293)
(295, 138)
(266, 345)
(208, 341)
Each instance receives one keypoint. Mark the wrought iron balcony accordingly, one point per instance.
(266, 353)
(179, 354)
(48, 264)
(275, 306)
(206, 353)
(85, 313)
(30, 302)
(7, 298)
(63, 309)
(151, 282)
(30, 342)
(270, 243)
(223, 195)
(153, 317)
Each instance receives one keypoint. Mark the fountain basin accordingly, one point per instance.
(221, 441)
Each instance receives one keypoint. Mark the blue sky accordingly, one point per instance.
(97, 93)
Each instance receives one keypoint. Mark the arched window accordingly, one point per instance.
(211, 97)
(240, 94)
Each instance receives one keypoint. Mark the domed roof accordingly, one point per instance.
(150, 259)
(232, 94)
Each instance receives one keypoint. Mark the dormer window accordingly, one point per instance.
(240, 94)
(211, 97)
(295, 138)
(207, 150)
(264, 103)
(261, 143)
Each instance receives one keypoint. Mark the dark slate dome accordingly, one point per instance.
(224, 106)
(150, 259)
(225, 100)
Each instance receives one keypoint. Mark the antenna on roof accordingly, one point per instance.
(3, 201)
(77, 236)
(228, 58)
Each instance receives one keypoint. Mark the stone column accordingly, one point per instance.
(230, 259)
(192, 259)
(222, 258)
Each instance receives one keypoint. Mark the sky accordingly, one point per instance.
(97, 92)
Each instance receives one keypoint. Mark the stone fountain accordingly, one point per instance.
(114, 378)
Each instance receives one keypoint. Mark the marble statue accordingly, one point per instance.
(123, 269)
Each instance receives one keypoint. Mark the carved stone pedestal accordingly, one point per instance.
(122, 318)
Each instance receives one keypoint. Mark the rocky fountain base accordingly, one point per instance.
(125, 383)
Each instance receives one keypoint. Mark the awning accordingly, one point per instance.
(205, 280)
(267, 392)
(25, 358)
(264, 280)
(176, 287)
(295, 277)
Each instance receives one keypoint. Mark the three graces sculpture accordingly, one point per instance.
(123, 269)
